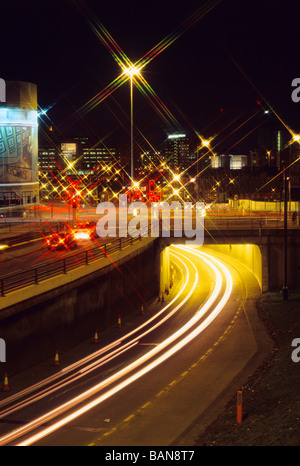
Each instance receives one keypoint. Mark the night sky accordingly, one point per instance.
(210, 78)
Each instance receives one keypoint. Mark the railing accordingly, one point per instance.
(242, 223)
(44, 230)
(33, 276)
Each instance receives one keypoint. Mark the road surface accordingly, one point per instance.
(157, 382)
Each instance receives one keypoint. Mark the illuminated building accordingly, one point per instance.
(96, 157)
(49, 160)
(76, 158)
(19, 145)
(215, 161)
(177, 151)
(237, 162)
(69, 151)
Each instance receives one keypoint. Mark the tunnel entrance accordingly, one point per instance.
(247, 254)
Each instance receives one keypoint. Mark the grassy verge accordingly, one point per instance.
(271, 396)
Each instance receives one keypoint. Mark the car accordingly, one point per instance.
(62, 240)
(85, 231)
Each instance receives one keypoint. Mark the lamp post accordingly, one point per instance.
(131, 127)
(131, 71)
(285, 292)
(295, 138)
(205, 143)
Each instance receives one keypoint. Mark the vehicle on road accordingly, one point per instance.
(62, 240)
(85, 231)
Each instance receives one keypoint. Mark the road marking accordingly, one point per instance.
(172, 383)
(146, 404)
(106, 434)
(202, 358)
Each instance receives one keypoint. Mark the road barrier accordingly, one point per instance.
(5, 387)
(239, 407)
(56, 359)
(26, 237)
(33, 276)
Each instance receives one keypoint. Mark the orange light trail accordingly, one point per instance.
(152, 359)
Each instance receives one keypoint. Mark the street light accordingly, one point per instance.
(295, 138)
(285, 291)
(205, 142)
(131, 71)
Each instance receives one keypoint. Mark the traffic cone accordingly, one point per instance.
(56, 360)
(5, 387)
(119, 322)
(96, 340)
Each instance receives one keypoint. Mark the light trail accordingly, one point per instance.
(78, 364)
(159, 354)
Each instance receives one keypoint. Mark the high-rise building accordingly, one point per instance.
(76, 155)
(92, 158)
(177, 151)
(49, 160)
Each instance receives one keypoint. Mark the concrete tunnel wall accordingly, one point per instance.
(248, 255)
(164, 270)
(35, 328)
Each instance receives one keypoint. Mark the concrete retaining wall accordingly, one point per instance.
(66, 315)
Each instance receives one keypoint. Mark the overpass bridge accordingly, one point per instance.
(265, 234)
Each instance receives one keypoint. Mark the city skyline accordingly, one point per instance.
(223, 65)
(149, 225)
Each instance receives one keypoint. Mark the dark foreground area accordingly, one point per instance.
(271, 396)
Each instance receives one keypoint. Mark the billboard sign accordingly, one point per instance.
(18, 146)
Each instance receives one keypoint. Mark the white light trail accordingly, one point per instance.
(56, 386)
(158, 355)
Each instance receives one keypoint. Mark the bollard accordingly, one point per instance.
(56, 359)
(5, 387)
(96, 340)
(239, 406)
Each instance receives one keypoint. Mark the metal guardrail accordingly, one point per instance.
(32, 235)
(231, 223)
(35, 275)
